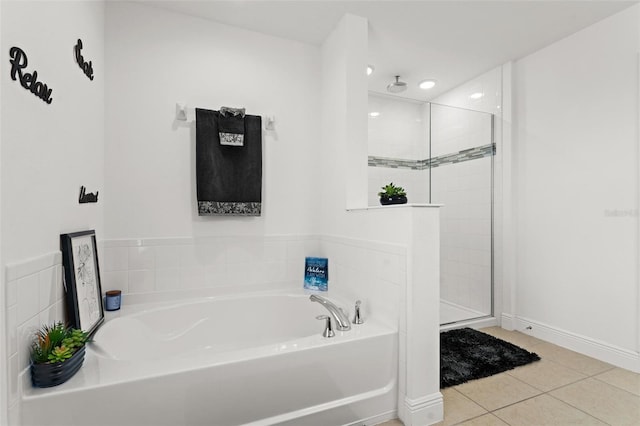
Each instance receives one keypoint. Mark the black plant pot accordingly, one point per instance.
(47, 375)
(395, 199)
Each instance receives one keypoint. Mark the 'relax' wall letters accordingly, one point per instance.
(28, 80)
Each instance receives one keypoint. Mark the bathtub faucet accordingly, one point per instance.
(341, 318)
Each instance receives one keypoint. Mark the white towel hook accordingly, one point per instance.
(270, 122)
(181, 111)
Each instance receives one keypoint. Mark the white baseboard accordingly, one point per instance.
(423, 411)
(606, 352)
(507, 322)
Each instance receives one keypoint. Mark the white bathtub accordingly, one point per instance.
(218, 361)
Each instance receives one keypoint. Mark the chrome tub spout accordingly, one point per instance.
(339, 316)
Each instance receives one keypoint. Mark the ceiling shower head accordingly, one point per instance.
(397, 86)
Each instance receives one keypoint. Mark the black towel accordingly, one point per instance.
(229, 178)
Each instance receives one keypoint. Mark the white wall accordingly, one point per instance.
(576, 137)
(48, 151)
(156, 58)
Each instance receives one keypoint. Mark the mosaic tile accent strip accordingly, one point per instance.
(457, 157)
(464, 155)
(396, 163)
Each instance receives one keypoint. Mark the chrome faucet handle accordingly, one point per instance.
(357, 319)
(339, 316)
(328, 329)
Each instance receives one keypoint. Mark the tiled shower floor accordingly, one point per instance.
(563, 388)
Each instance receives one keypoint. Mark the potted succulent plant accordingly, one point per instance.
(57, 353)
(392, 194)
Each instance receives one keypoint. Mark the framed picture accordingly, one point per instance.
(82, 280)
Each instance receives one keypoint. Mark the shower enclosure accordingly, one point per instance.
(442, 155)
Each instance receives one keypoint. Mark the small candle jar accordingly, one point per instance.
(112, 300)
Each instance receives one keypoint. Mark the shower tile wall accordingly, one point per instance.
(456, 129)
(399, 132)
(465, 268)
(464, 187)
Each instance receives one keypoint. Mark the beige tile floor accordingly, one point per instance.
(563, 388)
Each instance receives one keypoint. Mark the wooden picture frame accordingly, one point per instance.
(83, 292)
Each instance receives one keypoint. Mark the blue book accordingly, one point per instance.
(316, 273)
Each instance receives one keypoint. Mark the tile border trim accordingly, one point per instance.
(429, 163)
(163, 241)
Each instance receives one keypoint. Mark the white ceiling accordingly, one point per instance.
(449, 41)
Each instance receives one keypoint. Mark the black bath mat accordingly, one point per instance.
(467, 354)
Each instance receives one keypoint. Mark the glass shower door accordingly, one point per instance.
(461, 170)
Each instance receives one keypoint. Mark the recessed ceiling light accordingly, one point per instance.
(374, 114)
(427, 84)
(370, 69)
(476, 95)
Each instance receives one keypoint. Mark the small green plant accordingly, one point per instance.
(56, 343)
(391, 190)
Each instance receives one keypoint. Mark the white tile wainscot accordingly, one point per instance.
(35, 297)
(416, 227)
(182, 264)
(371, 271)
